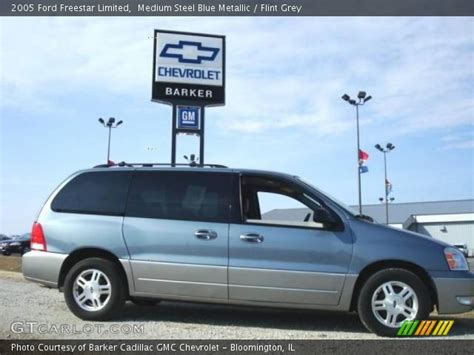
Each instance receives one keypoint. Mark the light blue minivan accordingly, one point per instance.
(145, 233)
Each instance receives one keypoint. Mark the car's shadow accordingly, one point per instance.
(256, 317)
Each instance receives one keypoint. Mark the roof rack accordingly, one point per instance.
(150, 165)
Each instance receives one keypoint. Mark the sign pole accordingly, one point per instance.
(201, 137)
(173, 137)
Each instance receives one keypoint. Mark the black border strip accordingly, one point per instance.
(179, 346)
(253, 8)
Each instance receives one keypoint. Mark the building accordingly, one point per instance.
(450, 221)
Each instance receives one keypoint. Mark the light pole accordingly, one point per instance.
(109, 124)
(388, 148)
(363, 98)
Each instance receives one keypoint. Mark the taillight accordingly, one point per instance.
(37, 238)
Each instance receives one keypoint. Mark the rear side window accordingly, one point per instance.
(94, 193)
(180, 195)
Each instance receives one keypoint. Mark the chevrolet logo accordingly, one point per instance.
(189, 52)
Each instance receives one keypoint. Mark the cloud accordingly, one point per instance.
(282, 73)
(463, 140)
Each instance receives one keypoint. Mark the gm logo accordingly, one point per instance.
(189, 52)
(188, 117)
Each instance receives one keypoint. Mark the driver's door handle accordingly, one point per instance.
(252, 238)
(205, 234)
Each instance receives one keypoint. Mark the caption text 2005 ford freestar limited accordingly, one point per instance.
(146, 233)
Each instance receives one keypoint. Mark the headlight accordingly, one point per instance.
(455, 259)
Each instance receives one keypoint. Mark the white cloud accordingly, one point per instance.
(462, 140)
(281, 72)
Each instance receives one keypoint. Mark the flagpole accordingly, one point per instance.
(358, 162)
(363, 98)
(385, 150)
(386, 185)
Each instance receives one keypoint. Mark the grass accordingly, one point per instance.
(10, 263)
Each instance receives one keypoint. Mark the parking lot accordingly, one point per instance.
(32, 311)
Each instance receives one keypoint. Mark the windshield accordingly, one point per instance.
(346, 208)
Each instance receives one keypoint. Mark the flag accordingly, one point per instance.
(363, 156)
(363, 169)
(388, 186)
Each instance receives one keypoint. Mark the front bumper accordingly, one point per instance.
(455, 294)
(42, 267)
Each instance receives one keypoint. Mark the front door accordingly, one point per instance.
(285, 257)
(176, 230)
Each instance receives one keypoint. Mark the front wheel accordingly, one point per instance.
(390, 297)
(95, 290)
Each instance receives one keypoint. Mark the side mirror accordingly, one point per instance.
(322, 215)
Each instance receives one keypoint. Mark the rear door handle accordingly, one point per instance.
(252, 238)
(205, 234)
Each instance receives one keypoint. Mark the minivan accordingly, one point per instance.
(148, 232)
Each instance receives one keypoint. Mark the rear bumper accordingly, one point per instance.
(455, 295)
(42, 267)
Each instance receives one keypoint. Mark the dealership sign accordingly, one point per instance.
(188, 68)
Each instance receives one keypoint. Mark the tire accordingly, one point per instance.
(7, 253)
(145, 302)
(389, 301)
(95, 306)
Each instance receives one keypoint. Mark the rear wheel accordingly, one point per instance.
(95, 290)
(390, 297)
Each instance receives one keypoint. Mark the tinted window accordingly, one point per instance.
(94, 193)
(183, 195)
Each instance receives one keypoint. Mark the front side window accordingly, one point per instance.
(351, 211)
(180, 195)
(94, 193)
(270, 201)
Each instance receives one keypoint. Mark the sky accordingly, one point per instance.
(284, 82)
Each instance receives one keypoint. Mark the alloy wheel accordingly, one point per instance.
(92, 290)
(394, 302)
